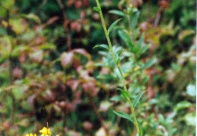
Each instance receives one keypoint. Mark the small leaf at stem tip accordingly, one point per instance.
(104, 46)
(135, 102)
(117, 12)
(113, 25)
(96, 9)
(124, 115)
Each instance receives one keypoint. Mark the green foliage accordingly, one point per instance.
(124, 115)
(50, 70)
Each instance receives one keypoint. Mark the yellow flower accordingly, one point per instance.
(45, 132)
(30, 134)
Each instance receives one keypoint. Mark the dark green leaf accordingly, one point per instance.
(141, 40)
(117, 12)
(125, 37)
(123, 115)
(134, 20)
(113, 25)
(104, 46)
(135, 102)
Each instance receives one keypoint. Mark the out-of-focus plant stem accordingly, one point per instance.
(97, 112)
(117, 65)
(8, 29)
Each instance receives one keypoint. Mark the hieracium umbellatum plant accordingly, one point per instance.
(115, 56)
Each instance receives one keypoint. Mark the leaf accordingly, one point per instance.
(124, 93)
(82, 52)
(18, 25)
(135, 102)
(141, 40)
(104, 106)
(124, 115)
(134, 20)
(47, 46)
(113, 25)
(144, 49)
(191, 90)
(96, 9)
(32, 17)
(115, 98)
(185, 34)
(125, 37)
(190, 119)
(182, 105)
(7, 4)
(66, 59)
(5, 47)
(104, 46)
(101, 132)
(149, 63)
(118, 73)
(117, 12)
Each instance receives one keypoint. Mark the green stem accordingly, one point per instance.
(118, 67)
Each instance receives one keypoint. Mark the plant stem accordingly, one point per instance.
(100, 118)
(118, 67)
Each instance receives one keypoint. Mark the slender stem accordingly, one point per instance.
(100, 118)
(118, 67)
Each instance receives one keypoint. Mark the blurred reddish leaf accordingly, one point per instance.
(17, 73)
(87, 125)
(76, 26)
(52, 20)
(150, 92)
(66, 59)
(73, 84)
(78, 4)
(82, 52)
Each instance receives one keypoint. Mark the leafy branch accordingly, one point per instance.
(125, 91)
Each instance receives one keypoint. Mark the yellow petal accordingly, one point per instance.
(45, 131)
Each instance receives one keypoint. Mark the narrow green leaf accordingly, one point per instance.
(135, 102)
(117, 12)
(149, 63)
(104, 46)
(115, 98)
(126, 38)
(96, 9)
(124, 93)
(135, 20)
(118, 73)
(113, 25)
(118, 60)
(124, 115)
(144, 49)
(141, 40)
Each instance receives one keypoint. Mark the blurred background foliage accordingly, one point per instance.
(49, 71)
